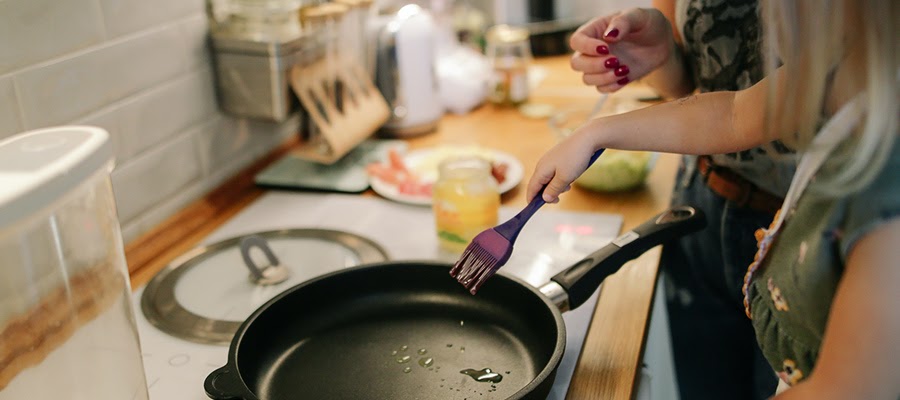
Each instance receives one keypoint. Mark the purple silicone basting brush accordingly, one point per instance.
(491, 248)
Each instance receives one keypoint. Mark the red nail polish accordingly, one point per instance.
(602, 49)
(622, 71)
(613, 33)
(623, 81)
(611, 62)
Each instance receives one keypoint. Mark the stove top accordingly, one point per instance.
(551, 241)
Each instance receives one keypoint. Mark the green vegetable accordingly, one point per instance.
(616, 171)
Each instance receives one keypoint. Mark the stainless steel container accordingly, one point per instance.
(253, 77)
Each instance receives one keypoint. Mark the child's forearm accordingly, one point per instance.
(708, 123)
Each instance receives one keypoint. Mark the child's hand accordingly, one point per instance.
(560, 166)
(613, 50)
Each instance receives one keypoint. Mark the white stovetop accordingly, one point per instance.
(551, 241)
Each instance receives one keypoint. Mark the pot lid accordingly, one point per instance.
(206, 294)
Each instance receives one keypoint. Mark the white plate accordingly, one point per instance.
(424, 163)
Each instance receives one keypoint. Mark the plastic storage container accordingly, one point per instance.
(67, 328)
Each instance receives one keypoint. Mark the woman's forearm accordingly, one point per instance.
(671, 80)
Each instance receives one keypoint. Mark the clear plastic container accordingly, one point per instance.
(67, 328)
(465, 201)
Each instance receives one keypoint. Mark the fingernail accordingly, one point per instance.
(611, 62)
(622, 71)
(602, 49)
(612, 33)
(623, 81)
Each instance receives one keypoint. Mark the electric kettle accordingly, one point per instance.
(67, 328)
(405, 71)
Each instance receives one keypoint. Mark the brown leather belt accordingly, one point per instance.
(735, 188)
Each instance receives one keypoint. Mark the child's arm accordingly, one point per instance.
(708, 123)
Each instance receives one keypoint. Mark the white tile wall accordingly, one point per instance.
(32, 31)
(149, 179)
(74, 86)
(150, 118)
(142, 70)
(128, 16)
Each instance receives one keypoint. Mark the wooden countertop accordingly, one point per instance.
(611, 357)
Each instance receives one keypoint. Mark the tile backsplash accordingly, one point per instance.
(140, 69)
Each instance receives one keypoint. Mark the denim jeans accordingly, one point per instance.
(713, 343)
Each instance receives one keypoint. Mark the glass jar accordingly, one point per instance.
(465, 201)
(509, 52)
(265, 20)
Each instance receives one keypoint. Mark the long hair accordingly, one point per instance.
(810, 37)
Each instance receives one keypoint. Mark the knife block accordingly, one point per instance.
(345, 114)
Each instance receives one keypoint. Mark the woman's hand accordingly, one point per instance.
(613, 50)
(561, 165)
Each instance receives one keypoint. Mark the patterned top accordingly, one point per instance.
(790, 295)
(722, 48)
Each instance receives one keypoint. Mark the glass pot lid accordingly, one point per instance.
(205, 295)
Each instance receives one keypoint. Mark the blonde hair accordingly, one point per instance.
(811, 37)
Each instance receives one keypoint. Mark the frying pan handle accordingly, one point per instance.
(224, 384)
(583, 278)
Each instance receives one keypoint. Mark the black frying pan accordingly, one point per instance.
(406, 330)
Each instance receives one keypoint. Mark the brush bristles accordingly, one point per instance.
(480, 260)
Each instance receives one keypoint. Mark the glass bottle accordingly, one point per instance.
(466, 201)
(509, 51)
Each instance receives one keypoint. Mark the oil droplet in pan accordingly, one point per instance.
(406, 370)
(404, 347)
(483, 375)
(404, 359)
(423, 351)
(426, 361)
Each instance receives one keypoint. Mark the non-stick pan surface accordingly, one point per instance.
(399, 331)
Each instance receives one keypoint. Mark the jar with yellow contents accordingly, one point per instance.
(465, 201)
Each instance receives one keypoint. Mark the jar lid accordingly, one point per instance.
(506, 34)
(205, 295)
(39, 167)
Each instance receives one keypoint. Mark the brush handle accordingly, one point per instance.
(583, 278)
(510, 229)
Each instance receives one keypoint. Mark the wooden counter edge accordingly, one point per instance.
(613, 349)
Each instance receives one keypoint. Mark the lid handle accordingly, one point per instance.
(271, 274)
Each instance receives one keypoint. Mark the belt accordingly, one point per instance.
(735, 188)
